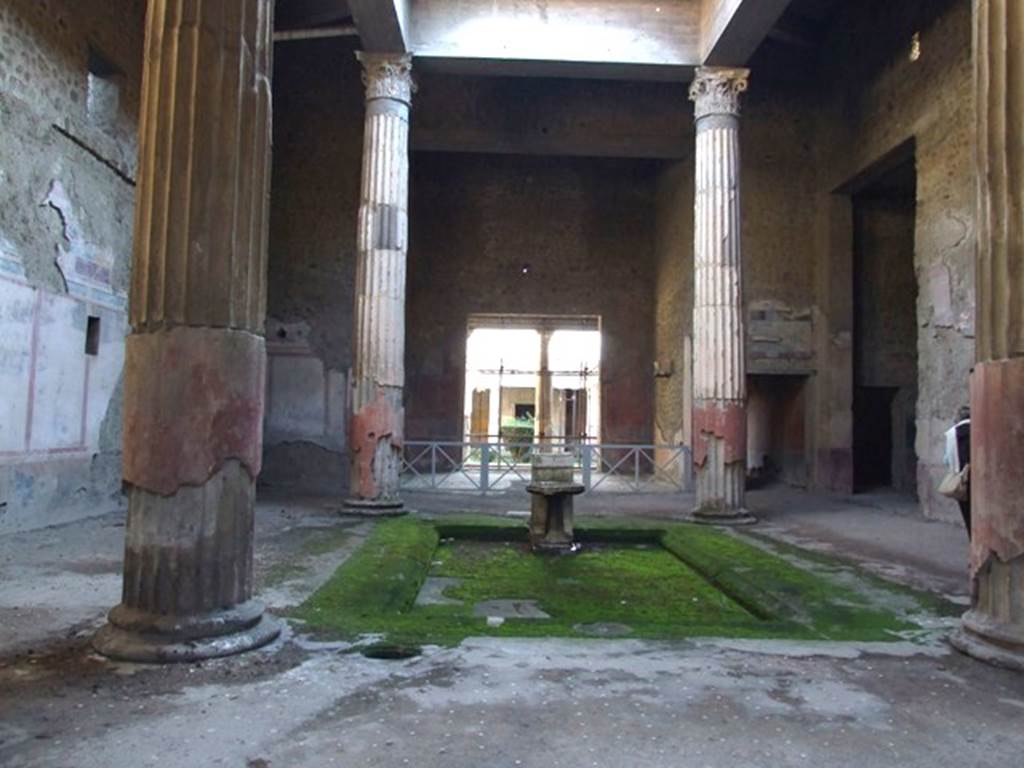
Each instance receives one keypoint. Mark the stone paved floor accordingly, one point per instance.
(494, 702)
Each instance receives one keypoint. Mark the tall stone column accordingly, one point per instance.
(994, 627)
(376, 433)
(195, 359)
(719, 396)
(544, 392)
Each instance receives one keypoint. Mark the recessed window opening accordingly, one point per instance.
(92, 335)
(103, 97)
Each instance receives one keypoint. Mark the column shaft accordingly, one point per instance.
(719, 407)
(994, 627)
(544, 392)
(376, 434)
(195, 358)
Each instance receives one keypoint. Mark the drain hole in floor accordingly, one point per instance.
(391, 652)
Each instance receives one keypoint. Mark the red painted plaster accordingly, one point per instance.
(193, 399)
(379, 420)
(997, 461)
(724, 420)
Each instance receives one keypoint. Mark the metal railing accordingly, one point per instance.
(486, 466)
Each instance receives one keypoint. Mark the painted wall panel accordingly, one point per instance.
(58, 408)
(17, 303)
(104, 372)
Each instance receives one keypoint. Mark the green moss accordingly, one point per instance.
(628, 585)
(777, 589)
(819, 562)
(379, 581)
(661, 580)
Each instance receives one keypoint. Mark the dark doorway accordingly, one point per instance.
(872, 436)
(776, 438)
(885, 331)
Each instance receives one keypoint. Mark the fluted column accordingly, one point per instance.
(195, 359)
(376, 431)
(542, 409)
(994, 627)
(719, 396)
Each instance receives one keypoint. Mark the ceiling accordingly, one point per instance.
(805, 22)
(306, 14)
(637, 39)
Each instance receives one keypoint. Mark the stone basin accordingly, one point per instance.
(552, 488)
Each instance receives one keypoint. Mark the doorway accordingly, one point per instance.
(513, 360)
(885, 331)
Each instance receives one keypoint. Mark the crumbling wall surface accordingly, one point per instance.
(673, 304)
(777, 141)
(516, 234)
(779, 260)
(884, 91)
(318, 126)
(67, 166)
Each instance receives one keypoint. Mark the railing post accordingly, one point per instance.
(485, 467)
(433, 465)
(585, 461)
(636, 469)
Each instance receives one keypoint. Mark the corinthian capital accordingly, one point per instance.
(387, 76)
(716, 90)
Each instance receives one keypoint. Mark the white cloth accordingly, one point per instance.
(952, 452)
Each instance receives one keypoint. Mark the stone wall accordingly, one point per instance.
(673, 305)
(817, 125)
(318, 146)
(879, 103)
(600, 236)
(777, 141)
(70, 74)
(778, 176)
(583, 231)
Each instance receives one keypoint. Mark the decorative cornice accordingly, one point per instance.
(716, 90)
(387, 76)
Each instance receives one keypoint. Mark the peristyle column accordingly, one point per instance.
(994, 627)
(542, 407)
(719, 396)
(195, 359)
(378, 378)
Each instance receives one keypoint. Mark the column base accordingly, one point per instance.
(730, 517)
(998, 644)
(131, 635)
(373, 508)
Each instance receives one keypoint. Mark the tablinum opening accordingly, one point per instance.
(510, 358)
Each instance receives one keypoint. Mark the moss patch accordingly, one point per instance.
(661, 581)
(639, 585)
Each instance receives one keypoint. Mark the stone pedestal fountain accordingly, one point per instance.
(552, 488)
